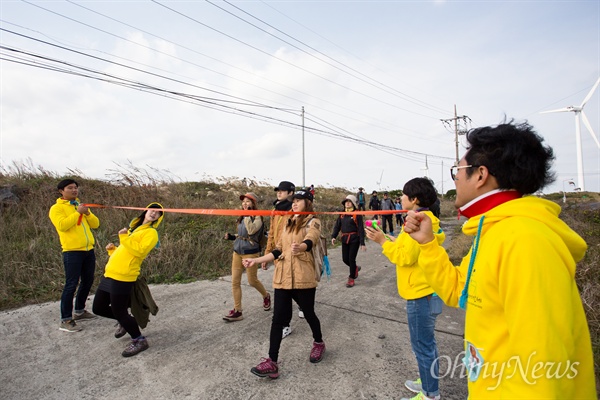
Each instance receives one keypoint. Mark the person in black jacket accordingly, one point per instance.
(353, 237)
(374, 203)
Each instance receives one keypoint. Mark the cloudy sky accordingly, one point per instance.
(209, 89)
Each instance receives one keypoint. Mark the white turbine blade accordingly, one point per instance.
(591, 93)
(565, 109)
(589, 126)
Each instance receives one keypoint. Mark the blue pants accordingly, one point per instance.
(421, 315)
(79, 270)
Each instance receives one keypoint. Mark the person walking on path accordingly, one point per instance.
(294, 279)
(387, 219)
(361, 197)
(353, 237)
(285, 190)
(517, 283)
(399, 222)
(246, 244)
(422, 304)
(74, 223)
(113, 297)
(374, 203)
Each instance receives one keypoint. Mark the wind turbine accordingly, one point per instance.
(579, 115)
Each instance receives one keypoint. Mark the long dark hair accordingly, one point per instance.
(295, 224)
(139, 221)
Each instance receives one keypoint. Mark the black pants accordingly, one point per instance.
(282, 314)
(388, 220)
(114, 306)
(349, 253)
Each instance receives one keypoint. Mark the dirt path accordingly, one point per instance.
(194, 354)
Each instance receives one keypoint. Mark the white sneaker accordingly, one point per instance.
(301, 313)
(287, 331)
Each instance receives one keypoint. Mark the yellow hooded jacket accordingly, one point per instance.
(524, 317)
(404, 252)
(125, 260)
(73, 237)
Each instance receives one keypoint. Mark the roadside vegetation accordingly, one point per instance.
(191, 245)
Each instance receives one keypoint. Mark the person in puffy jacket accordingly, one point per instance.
(250, 230)
(74, 223)
(294, 279)
(113, 296)
(353, 237)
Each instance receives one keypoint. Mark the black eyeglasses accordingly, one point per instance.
(454, 170)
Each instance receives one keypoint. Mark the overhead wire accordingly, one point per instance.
(194, 64)
(111, 78)
(290, 63)
(357, 75)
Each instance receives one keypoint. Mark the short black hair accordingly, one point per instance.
(422, 189)
(66, 182)
(514, 154)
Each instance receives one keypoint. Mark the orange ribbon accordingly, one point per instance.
(266, 213)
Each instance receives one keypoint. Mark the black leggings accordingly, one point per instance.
(349, 253)
(282, 314)
(115, 306)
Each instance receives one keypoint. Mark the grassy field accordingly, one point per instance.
(191, 246)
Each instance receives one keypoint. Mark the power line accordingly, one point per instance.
(213, 103)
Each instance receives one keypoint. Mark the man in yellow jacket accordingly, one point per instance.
(74, 223)
(526, 334)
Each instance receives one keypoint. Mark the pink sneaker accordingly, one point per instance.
(266, 369)
(317, 352)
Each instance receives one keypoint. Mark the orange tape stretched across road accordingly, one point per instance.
(265, 213)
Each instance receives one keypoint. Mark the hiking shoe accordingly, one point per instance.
(317, 352)
(414, 386)
(300, 313)
(69, 326)
(350, 282)
(84, 315)
(267, 302)
(421, 396)
(287, 331)
(233, 315)
(120, 332)
(266, 369)
(136, 346)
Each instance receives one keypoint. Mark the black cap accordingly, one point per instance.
(374, 192)
(286, 186)
(303, 194)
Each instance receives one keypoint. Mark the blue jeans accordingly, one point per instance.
(79, 269)
(421, 324)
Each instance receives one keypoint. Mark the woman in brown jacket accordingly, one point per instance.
(293, 279)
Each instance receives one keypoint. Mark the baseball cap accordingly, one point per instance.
(286, 186)
(303, 194)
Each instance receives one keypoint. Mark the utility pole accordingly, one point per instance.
(463, 128)
(303, 157)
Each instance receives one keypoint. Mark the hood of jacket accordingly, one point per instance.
(534, 208)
